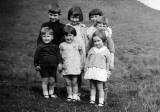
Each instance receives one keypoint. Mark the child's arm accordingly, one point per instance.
(36, 60)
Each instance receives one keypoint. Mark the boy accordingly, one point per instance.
(55, 25)
(46, 60)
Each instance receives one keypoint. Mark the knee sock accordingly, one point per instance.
(101, 100)
(93, 98)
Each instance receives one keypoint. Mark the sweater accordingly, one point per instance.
(98, 58)
(47, 55)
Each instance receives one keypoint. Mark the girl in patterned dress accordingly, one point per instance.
(75, 17)
(71, 62)
(97, 66)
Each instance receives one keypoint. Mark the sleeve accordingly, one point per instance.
(36, 57)
(109, 42)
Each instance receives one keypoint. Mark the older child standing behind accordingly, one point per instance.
(55, 24)
(46, 60)
(71, 53)
(97, 66)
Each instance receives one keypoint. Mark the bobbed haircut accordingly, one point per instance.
(69, 30)
(101, 34)
(103, 20)
(75, 11)
(95, 12)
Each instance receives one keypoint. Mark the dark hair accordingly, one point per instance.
(101, 34)
(95, 12)
(69, 30)
(103, 20)
(75, 11)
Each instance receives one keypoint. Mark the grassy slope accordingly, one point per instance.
(134, 32)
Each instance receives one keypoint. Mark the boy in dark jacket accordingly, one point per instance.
(46, 60)
(55, 25)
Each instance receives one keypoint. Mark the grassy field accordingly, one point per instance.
(135, 83)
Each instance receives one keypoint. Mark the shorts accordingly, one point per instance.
(48, 71)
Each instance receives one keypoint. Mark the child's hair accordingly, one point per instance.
(45, 30)
(54, 9)
(75, 11)
(101, 34)
(103, 20)
(69, 30)
(95, 12)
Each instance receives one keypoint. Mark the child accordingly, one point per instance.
(46, 59)
(71, 62)
(94, 14)
(97, 66)
(75, 16)
(54, 23)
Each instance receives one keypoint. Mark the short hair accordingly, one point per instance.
(102, 19)
(68, 29)
(46, 29)
(55, 11)
(95, 12)
(75, 11)
(101, 34)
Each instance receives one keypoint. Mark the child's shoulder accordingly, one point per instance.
(82, 25)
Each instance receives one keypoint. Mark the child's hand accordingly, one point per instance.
(59, 68)
(38, 68)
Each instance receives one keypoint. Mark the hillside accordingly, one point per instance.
(135, 33)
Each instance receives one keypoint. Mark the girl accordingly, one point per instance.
(46, 60)
(75, 16)
(97, 66)
(71, 62)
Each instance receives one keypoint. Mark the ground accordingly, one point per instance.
(134, 84)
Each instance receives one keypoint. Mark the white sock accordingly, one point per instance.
(92, 98)
(75, 96)
(51, 92)
(101, 100)
(45, 93)
(70, 96)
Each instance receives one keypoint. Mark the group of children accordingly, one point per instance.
(74, 51)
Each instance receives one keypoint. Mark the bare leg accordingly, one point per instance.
(100, 91)
(75, 87)
(45, 87)
(92, 91)
(68, 86)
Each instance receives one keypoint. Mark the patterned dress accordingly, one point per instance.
(71, 58)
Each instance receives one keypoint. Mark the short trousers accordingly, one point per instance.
(48, 71)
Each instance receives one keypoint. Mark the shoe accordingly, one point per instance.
(92, 102)
(101, 104)
(69, 99)
(53, 96)
(46, 96)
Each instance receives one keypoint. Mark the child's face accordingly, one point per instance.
(53, 16)
(100, 26)
(47, 37)
(98, 42)
(74, 20)
(94, 18)
(69, 38)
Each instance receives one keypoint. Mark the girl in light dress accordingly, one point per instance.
(97, 66)
(75, 17)
(71, 53)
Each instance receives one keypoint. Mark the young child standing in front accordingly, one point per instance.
(46, 60)
(71, 53)
(75, 16)
(97, 66)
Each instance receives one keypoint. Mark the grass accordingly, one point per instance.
(134, 84)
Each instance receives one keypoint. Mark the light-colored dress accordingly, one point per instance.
(71, 58)
(81, 38)
(97, 64)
